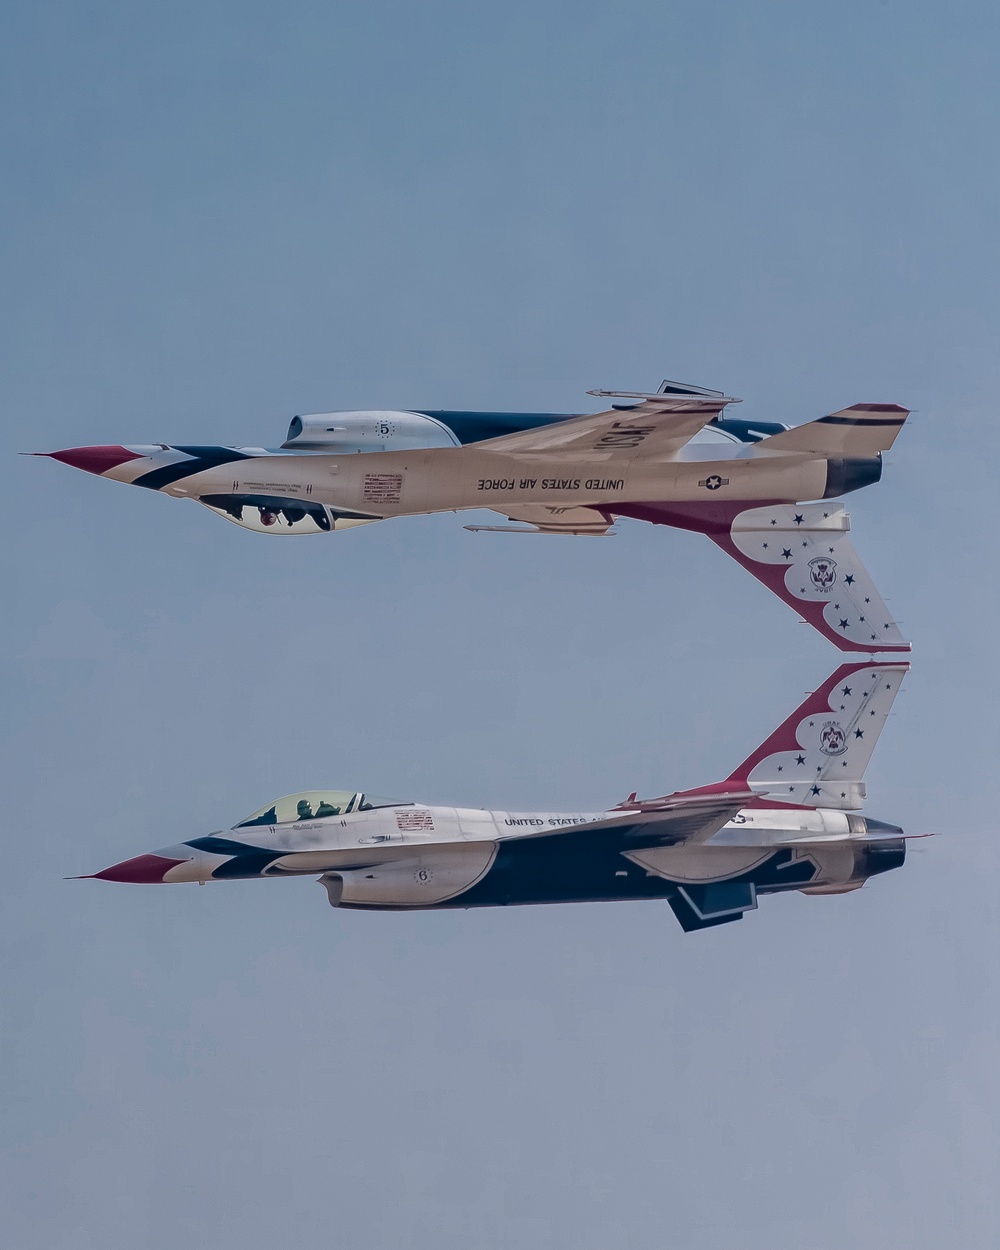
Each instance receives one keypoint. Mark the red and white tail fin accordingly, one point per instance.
(818, 756)
(802, 552)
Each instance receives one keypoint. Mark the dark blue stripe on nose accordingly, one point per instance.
(246, 861)
(227, 846)
(204, 458)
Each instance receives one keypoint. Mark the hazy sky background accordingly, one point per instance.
(216, 215)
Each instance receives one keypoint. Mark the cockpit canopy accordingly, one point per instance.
(314, 805)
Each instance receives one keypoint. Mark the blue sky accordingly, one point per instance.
(218, 215)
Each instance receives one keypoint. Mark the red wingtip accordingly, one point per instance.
(93, 459)
(145, 869)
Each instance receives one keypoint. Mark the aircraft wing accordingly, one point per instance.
(656, 428)
(689, 818)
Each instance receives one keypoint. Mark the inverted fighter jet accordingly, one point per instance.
(670, 458)
(785, 819)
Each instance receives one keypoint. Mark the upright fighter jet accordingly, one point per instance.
(670, 458)
(785, 819)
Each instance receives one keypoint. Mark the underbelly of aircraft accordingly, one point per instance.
(528, 872)
(523, 873)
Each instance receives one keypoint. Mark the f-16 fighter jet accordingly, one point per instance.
(785, 819)
(670, 458)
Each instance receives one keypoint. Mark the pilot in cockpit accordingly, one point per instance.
(305, 806)
(304, 811)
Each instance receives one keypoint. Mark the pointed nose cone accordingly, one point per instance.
(145, 869)
(93, 459)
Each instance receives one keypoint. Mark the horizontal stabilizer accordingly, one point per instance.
(818, 756)
(802, 553)
(859, 431)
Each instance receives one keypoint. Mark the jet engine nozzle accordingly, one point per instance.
(843, 476)
(883, 856)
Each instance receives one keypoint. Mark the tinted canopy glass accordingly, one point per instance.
(313, 805)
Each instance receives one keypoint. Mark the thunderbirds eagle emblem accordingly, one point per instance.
(832, 739)
(822, 572)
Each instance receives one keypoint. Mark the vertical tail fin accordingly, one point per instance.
(802, 553)
(818, 756)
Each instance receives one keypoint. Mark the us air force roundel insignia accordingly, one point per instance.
(832, 739)
(713, 482)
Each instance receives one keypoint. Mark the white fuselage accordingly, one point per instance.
(417, 856)
(403, 483)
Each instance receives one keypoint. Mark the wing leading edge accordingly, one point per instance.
(686, 817)
(657, 427)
